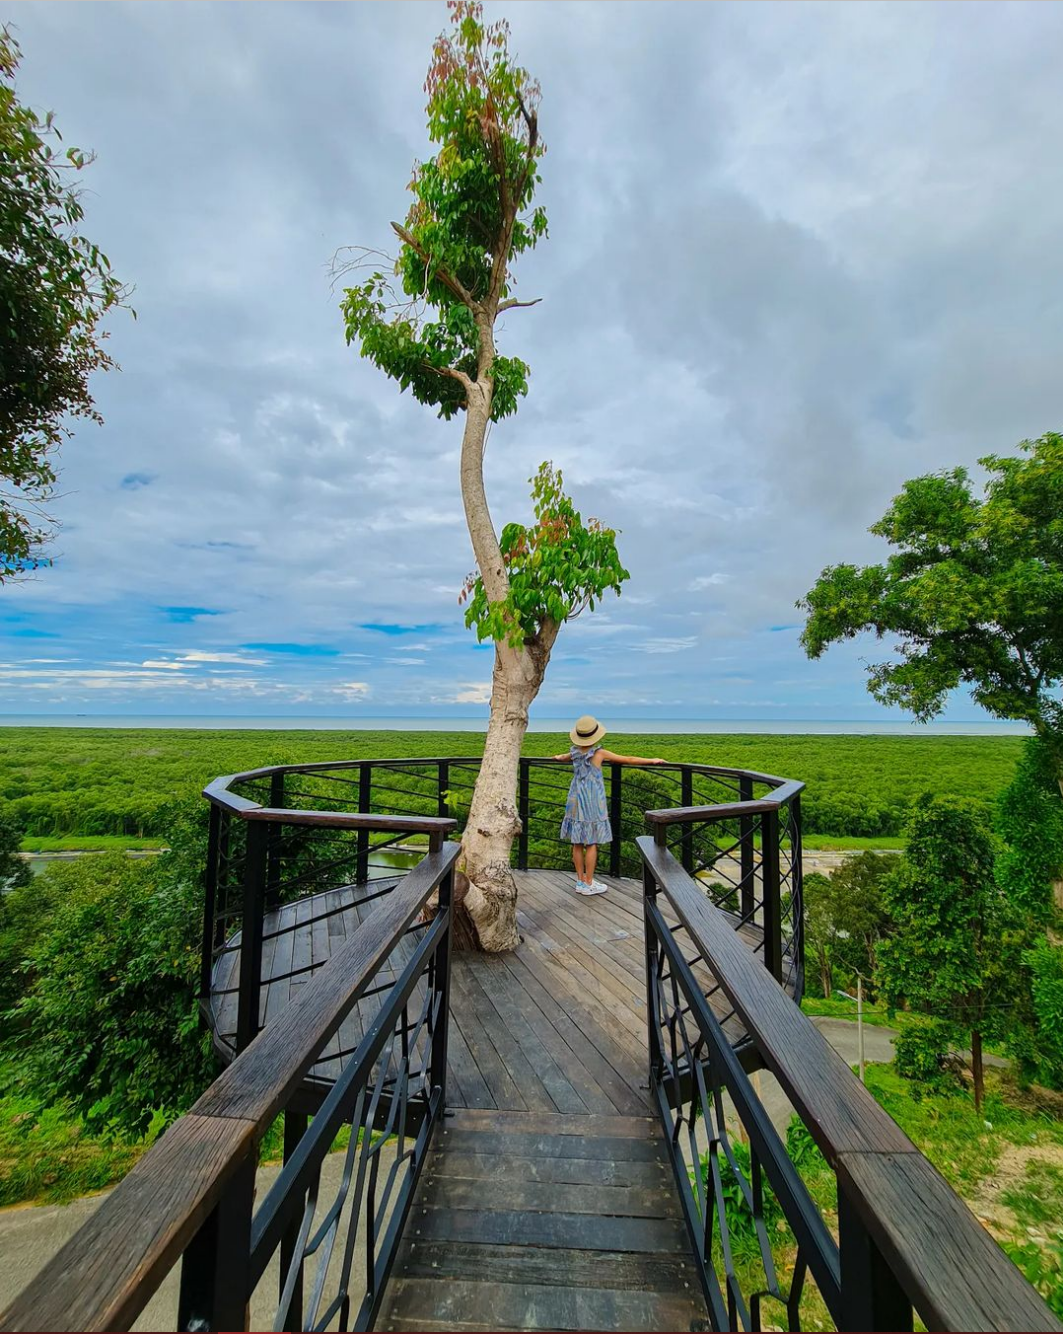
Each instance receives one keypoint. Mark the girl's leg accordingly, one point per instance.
(590, 861)
(577, 859)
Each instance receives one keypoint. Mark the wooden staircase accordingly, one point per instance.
(545, 1221)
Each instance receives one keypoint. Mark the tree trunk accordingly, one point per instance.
(490, 898)
(977, 1070)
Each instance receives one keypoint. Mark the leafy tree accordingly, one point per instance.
(955, 951)
(846, 918)
(473, 214)
(974, 593)
(1042, 1056)
(1030, 823)
(819, 927)
(111, 1019)
(14, 872)
(55, 286)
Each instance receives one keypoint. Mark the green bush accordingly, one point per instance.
(110, 1018)
(922, 1054)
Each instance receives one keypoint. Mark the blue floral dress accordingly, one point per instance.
(586, 811)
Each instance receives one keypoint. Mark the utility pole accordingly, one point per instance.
(860, 1025)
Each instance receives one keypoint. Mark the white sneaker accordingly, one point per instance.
(581, 888)
(598, 888)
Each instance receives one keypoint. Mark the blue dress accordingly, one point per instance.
(586, 811)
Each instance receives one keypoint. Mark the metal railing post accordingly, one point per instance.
(443, 780)
(251, 933)
(365, 800)
(686, 798)
(653, 1038)
(210, 900)
(442, 965)
(616, 818)
(745, 838)
(797, 889)
(295, 1124)
(273, 854)
(770, 890)
(215, 1268)
(523, 805)
(871, 1297)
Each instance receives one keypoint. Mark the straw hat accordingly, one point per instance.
(587, 731)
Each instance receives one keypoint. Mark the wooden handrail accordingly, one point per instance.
(951, 1269)
(787, 790)
(106, 1274)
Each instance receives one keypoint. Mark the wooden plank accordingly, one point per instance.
(507, 1194)
(569, 1058)
(445, 1260)
(474, 1090)
(554, 1123)
(540, 1306)
(108, 1271)
(499, 1081)
(468, 993)
(569, 1171)
(491, 977)
(607, 1148)
(622, 1092)
(596, 1022)
(570, 1231)
(553, 927)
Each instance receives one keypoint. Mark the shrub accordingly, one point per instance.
(922, 1054)
(111, 1018)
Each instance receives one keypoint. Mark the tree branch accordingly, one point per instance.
(514, 304)
(447, 279)
(452, 373)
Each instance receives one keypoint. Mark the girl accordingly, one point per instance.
(586, 822)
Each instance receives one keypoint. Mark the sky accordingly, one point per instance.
(798, 253)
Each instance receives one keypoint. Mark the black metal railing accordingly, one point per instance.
(336, 837)
(191, 1198)
(767, 1255)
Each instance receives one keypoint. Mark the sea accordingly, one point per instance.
(617, 725)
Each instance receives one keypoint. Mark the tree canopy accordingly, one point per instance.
(472, 214)
(974, 592)
(955, 950)
(55, 286)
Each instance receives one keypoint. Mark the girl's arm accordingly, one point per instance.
(564, 757)
(627, 759)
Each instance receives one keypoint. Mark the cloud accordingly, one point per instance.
(470, 693)
(816, 268)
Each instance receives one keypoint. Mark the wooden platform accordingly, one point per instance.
(559, 1025)
(544, 1221)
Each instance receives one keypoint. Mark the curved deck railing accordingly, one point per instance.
(331, 833)
(902, 1237)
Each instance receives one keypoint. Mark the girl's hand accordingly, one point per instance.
(658, 761)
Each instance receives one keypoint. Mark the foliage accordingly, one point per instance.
(118, 782)
(556, 568)
(1030, 824)
(846, 918)
(111, 1020)
(55, 286)
(471, 215)
(13, 870)
(955, 950)
(1036, 1039)
(1041, 1260)
(974, 592)
(923, 1054)
(737, 1195)
(24, 914)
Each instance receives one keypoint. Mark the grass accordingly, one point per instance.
(874, 1015)
(851, 843)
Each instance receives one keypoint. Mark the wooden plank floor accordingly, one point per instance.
(559, 1025)
(536, 1220)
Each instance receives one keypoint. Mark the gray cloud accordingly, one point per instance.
(798, 253)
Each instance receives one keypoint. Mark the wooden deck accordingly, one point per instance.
(544, 1221)
(547, 1200)
(559, 1025)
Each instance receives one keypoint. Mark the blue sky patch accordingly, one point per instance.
(382, 628)
(133, 481)
(297, 650)
(186, 615)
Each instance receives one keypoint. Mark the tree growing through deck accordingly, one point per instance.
(430, 326)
